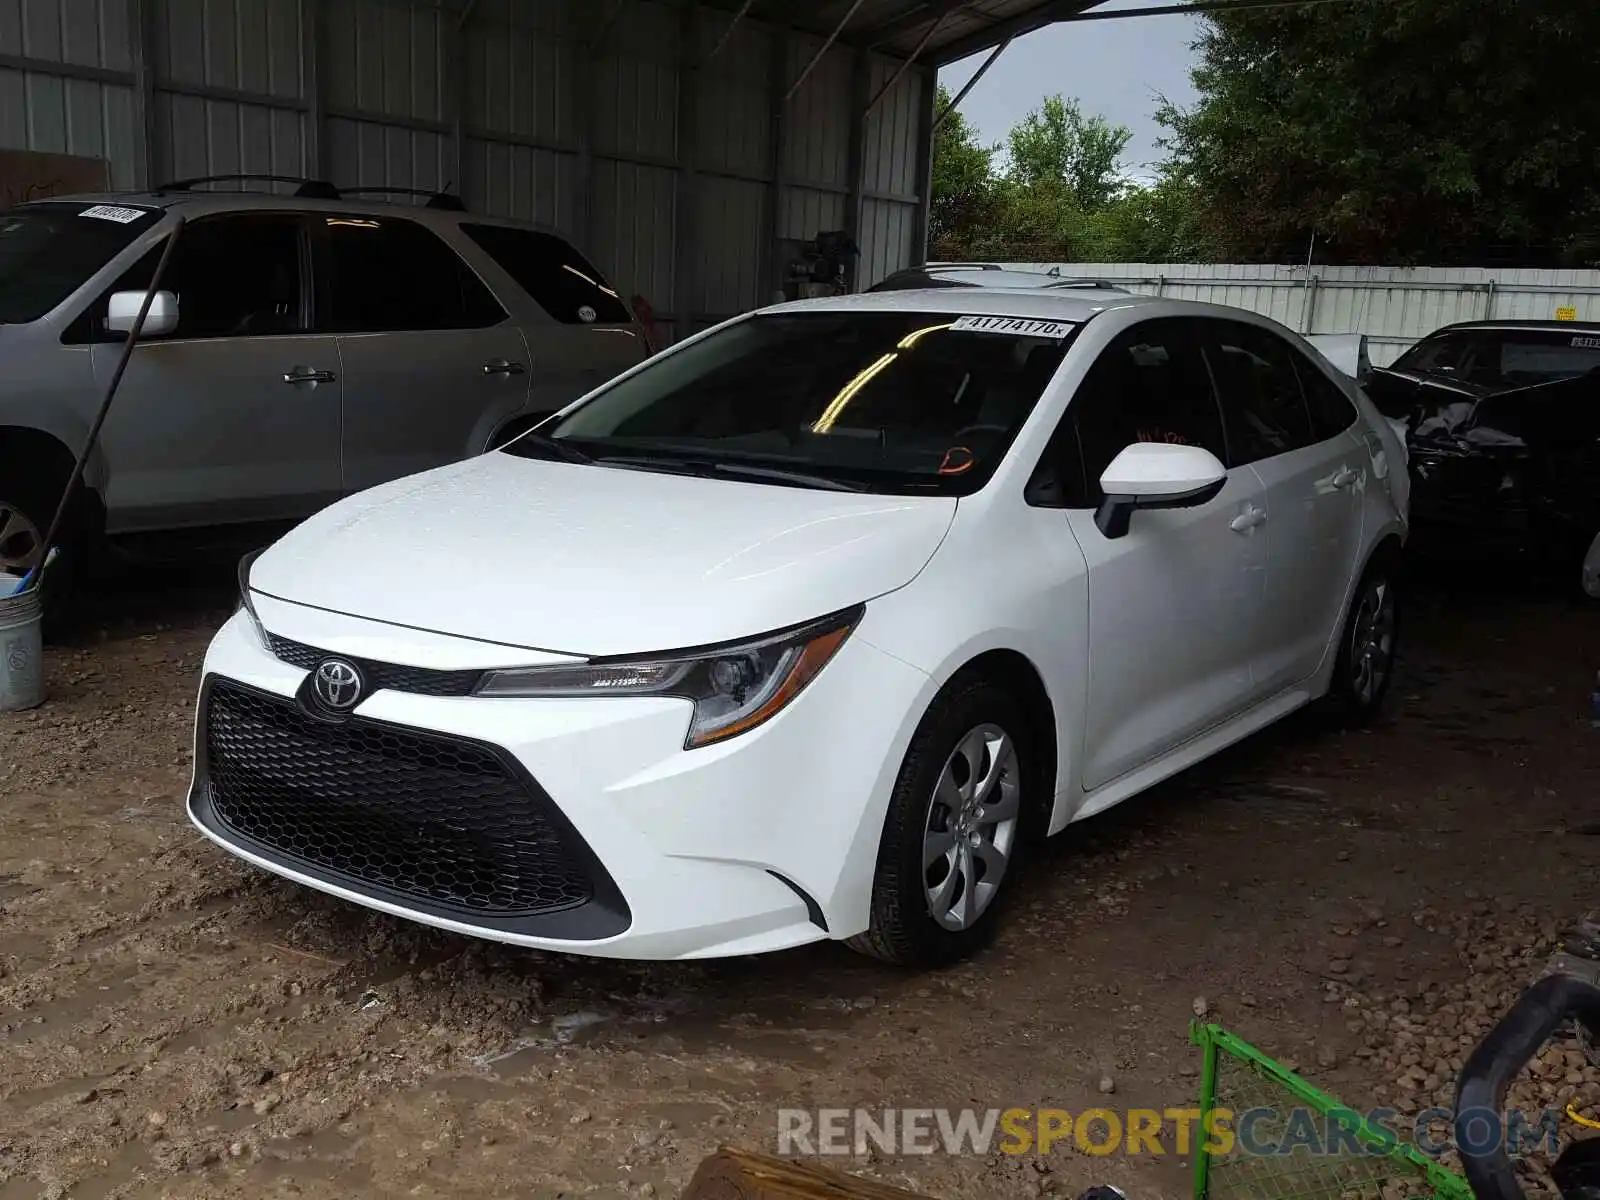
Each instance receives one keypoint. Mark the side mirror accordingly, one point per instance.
(123, 311)
(1156, 475)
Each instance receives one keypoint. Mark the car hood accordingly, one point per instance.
(597, 560)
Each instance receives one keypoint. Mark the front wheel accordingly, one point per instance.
(954, 830)
(1365, 666)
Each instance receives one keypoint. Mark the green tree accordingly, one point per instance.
(963, 177)
(1056, 144)
(1441, 131)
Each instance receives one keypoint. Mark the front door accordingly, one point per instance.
(234, 415)
(1173, 604)
(1313, 475)
(432, 363)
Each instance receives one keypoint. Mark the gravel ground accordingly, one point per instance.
(1362, 905)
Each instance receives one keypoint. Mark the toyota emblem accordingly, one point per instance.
(338, 684)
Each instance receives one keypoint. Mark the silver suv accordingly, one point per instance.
(300, 348)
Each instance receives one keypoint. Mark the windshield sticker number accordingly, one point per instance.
(1586, 343)
(1018, 326)
(111, 212)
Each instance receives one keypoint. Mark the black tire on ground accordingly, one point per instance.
(30, 489)
(903, 929)
(1368, 642)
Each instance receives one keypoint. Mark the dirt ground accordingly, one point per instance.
(174, 1024)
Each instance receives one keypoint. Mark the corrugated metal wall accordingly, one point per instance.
(1393, 306)
(685, 184)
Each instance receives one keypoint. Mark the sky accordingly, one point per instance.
(1119, 69)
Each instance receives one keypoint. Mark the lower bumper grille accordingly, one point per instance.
(420, 815)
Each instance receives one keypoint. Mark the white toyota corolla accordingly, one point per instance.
(808, 627)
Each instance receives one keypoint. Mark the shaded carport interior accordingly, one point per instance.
(689, 145)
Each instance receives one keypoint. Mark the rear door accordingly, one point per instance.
(432, 363)
(578, 329)
(233, 416)
(1313, 473)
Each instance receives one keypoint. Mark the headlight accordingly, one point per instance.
(733, 687)
(245, 602)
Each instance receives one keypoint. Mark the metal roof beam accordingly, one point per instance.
(932, 11)
(1037, 17)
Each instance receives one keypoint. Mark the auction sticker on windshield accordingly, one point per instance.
(111, 212)
(1017, 326)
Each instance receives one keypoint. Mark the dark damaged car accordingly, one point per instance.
(1503, 428)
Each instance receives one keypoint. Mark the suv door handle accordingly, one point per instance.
(1345, 477)
(500, 366)
(1248, 519)
(308, 375)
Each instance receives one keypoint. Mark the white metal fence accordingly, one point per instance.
(1393, 306)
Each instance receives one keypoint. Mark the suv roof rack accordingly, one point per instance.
(310, 189)
(319, 189)
(444, 200)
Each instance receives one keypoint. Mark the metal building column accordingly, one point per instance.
(457, 106)
(582, 90)
(860, 95)
(777, 157)
(146, 160)
(315, 156)
(685, 252)
(927, 103)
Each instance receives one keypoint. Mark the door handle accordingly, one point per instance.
(499, 366)
(1345, 477)
(308, 375)
(1248, 519)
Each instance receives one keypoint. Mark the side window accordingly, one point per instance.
(1331, 410)
(234, 276)
(560, 280)
(1260, 391)
(1149, 385)
(388, 274)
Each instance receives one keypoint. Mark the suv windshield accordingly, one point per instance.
(874, 401)
(48, 251)
(1501, 359)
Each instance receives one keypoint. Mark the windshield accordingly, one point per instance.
(48, 251)
(1500, 359)
(875, 401)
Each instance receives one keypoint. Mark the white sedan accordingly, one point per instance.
(810, 627)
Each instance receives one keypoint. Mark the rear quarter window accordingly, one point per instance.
(559, 279)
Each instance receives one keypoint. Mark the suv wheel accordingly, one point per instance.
(955, 828)
(29, 493)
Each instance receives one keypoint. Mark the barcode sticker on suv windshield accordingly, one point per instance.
(110, 212)
(1018, 326)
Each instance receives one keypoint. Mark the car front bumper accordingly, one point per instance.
(579, 825)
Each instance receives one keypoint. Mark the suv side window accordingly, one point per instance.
(390, 275)
(1149, 385)
(560, 280)
(1331, 410)
(1261, 398)
(238, 275)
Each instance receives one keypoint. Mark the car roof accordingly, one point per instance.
(1031, 302)
(1519, 326)
(206, 203)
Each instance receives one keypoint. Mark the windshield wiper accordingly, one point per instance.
(780, 475)
(707, 468)
(553, 446)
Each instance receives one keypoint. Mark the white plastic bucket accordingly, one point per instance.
(21, 651)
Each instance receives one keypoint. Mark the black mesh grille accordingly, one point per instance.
(426, 816)
(420, 681)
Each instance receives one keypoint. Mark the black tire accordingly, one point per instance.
(903, 929)
(1368, 643)
(31, 490)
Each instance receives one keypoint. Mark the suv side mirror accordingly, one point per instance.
(123, 310)
(1156, 475)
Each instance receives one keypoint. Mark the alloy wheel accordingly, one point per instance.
(20, 539)
(1372, 641)
(971, 827)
